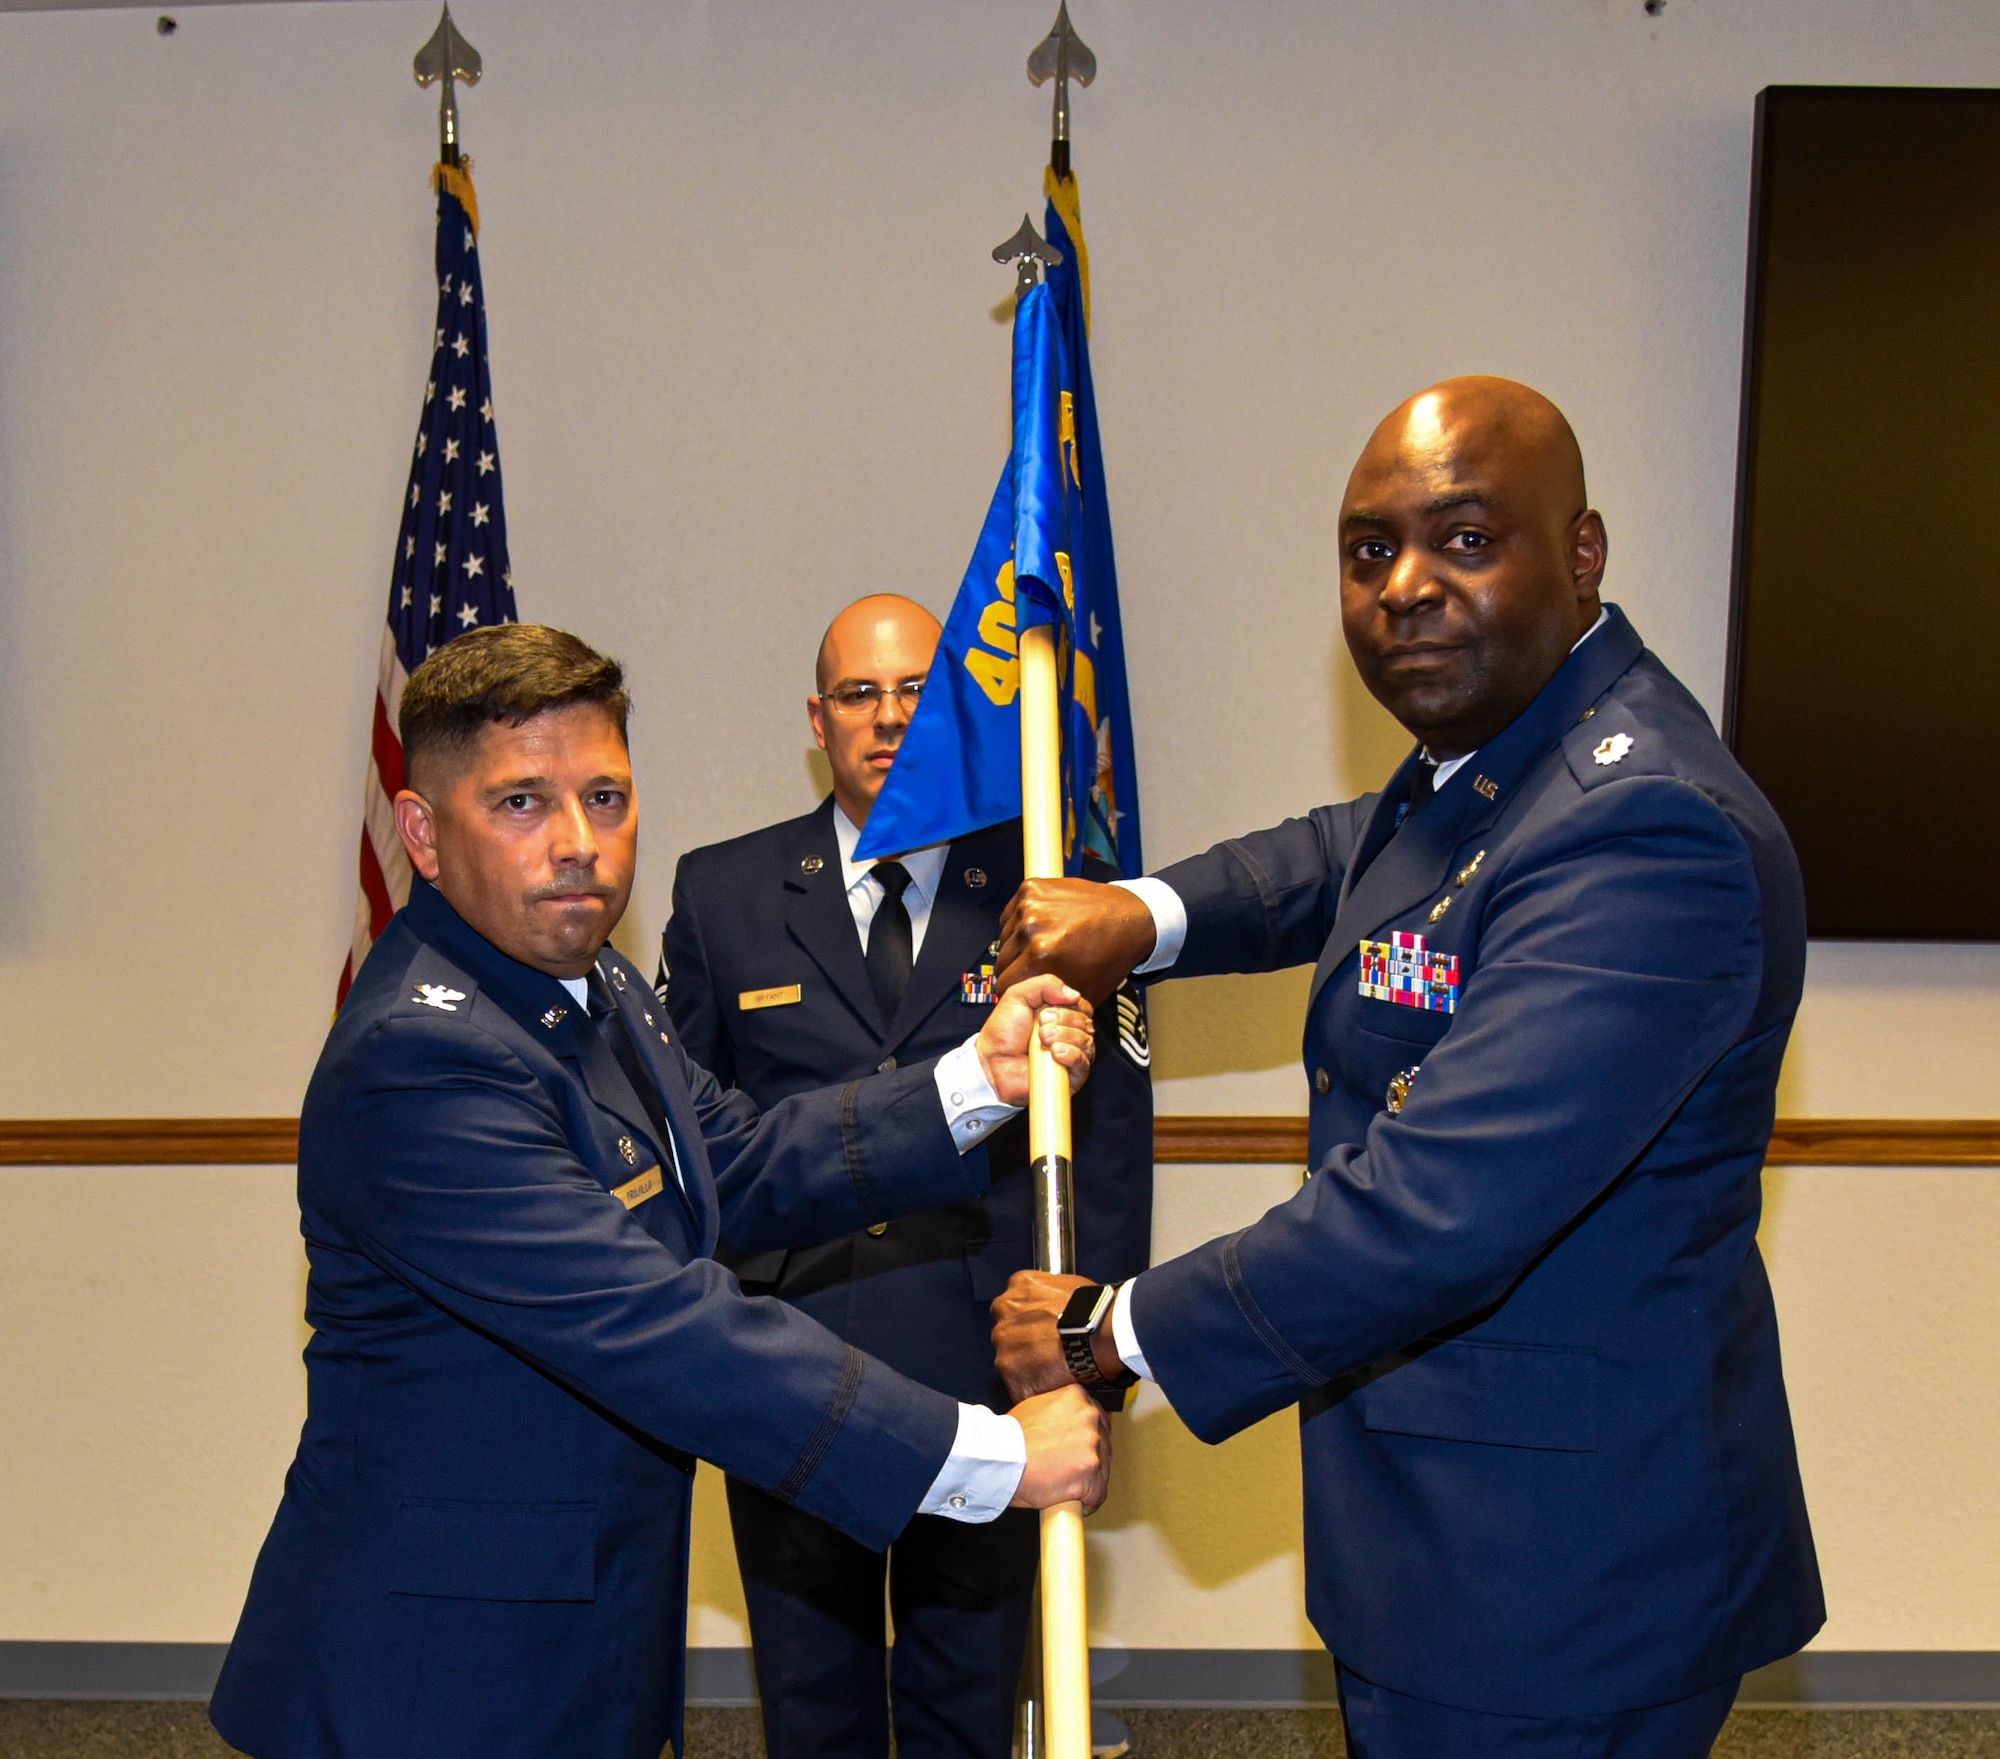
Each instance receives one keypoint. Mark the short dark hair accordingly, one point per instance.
(510, 672)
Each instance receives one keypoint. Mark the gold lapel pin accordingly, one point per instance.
(1469, 869)
(975, 877)
(811, 864)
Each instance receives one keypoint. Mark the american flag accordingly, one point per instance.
(451, 571)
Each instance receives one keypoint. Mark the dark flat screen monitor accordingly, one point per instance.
(1864, 662)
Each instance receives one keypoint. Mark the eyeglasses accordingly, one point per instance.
(855, 700)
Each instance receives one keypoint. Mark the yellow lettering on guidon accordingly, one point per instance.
(780, 996)
(998, 673)
(635, 1191)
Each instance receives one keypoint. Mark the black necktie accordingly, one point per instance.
(1421, 788)
(610, 1025)
(890, 940)
(1423, 784)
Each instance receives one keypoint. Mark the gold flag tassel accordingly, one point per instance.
(456, 180)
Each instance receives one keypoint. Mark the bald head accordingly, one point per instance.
(882, 621)
(1470, 560)
(1506, 427)
(872, 654)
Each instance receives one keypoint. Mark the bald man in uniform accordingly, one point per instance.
(1552, 1499)
(788, 966)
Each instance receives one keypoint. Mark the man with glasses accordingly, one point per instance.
(789, 966)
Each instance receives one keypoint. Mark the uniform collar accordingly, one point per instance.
(925, 866)
(524, 992)
(1450, 766)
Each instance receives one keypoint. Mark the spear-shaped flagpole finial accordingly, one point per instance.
(1030, 253)
(447, 57)
(1062, 56)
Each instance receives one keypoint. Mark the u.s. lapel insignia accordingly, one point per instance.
(1469, 869)
(1486, 786)
(975, 879)
(440, 996)
(811, 865)
(1612, 748)
(1400, 1084)
(554, 1017)
(629, 1149)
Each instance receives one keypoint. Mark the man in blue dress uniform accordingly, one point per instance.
(1552, 1500)
(511, 1182)
(787, 966)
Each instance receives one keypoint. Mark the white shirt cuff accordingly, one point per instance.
(1169, 921)
(972, 1110)
(1124, 1337)
(987, 1459)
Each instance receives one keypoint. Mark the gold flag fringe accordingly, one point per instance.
(1069, 203)
(457, 179)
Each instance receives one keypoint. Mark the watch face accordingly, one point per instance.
(1080, 1314)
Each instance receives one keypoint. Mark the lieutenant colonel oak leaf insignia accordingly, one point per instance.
(1612, 748)
(439, 996)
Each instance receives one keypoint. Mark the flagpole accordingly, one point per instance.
(1065, 1623)
(1065, 1694)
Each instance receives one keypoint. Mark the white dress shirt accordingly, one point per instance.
(864, 891)
(1170, 926)
(971, 1108)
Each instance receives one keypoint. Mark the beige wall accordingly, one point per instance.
(746, 363)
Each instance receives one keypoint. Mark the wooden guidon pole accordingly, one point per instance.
(1065, 1624)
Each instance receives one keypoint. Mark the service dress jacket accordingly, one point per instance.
(764, 974)
(1548, 1462)
(481, 1552)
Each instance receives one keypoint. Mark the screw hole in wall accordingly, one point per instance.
(166, 24)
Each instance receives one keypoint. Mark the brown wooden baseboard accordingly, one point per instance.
(1216, 1139)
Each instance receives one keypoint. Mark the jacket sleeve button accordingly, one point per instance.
(885, 1065)
(1322, 1081)
(879, 1229)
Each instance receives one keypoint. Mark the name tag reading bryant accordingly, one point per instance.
(634, 1192)
(782, 996)
(1405, 971)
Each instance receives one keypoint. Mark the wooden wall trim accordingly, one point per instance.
(1217, 1139)
(1836, 1142)
(149, 1142)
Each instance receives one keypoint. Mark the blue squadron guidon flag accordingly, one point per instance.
(451, 572)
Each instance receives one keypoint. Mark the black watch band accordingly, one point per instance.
(1087, 1310)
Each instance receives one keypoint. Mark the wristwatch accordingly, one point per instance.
(1088, 1309)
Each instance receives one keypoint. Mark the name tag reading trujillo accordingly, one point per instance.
(635, 1191)
(782, 996)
